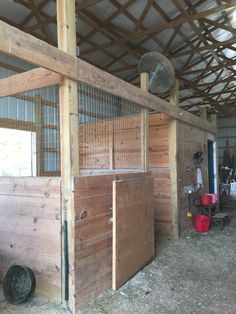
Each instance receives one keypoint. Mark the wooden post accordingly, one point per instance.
(173, 161)
(144, 78)
(38, 127)
(111, 145)
(213, 119)
(69, 133)
(203, 113)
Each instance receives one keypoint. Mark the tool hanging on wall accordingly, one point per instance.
(198, 158)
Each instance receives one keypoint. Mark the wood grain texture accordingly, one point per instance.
(133, 228)
(192, 139)
(18, 44)
(93, 234)
(27, 81)
(30, 230)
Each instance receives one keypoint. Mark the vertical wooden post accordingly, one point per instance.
(69, 134)
(213, 119)
(203, 113)
(38, 127)
(144, 79)
(173, 161)
(111, 145)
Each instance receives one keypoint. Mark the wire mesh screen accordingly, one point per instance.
(34, 117)
(109, 131)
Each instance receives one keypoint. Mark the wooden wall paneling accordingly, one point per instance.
(162, 205)
(160, 171)
(132, 212)
(93, 234)
(30, 230)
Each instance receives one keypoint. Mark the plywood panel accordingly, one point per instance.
(30, 230)
(133, 228)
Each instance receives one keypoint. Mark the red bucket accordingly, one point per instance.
(202, 223)
(207, 199)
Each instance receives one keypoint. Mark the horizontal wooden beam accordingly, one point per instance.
(17, 124)
(27, 81)
(24, 46)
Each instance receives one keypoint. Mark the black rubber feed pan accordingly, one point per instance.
(18, 284)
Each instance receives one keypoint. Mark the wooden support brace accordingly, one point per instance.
(27, 81)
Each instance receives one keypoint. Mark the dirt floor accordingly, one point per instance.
(195, 274)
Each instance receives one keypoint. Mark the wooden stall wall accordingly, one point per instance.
(120, 149)
(159, 168)
(93, 234)
(192, 139)
(30, 230)
(110, 144)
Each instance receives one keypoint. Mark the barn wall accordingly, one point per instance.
(93, 234)
(30, 229)
(192, 139)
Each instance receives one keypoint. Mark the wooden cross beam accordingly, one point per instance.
(27, 81)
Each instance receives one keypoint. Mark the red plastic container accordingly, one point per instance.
(202, 223)
(207, 199)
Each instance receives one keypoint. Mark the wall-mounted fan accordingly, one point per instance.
(160, 70)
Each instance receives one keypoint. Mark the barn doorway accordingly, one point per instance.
(212, 180)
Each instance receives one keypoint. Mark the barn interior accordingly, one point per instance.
(117, 122)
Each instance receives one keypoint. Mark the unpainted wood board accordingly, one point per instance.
(129, 259)
(162, 211)
(92, 227)
(88, 207)
(94, 147)
(159, 158)
(89, 292)
(158, 119)
(90, 246)
(28, 250)
(163, 228)
(39, 207)
(29, 186)
(30, 229)
(93, 267)
(93, 195)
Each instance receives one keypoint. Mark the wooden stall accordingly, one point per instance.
(83, 198)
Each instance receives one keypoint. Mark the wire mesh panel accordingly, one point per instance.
(109, 132)
(35, 112)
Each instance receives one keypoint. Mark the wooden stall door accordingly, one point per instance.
(133, 228)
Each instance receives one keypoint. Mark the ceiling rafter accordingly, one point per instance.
(171, 24)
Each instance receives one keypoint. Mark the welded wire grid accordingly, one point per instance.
(29, 127)
(29, 134)
(109, 130)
